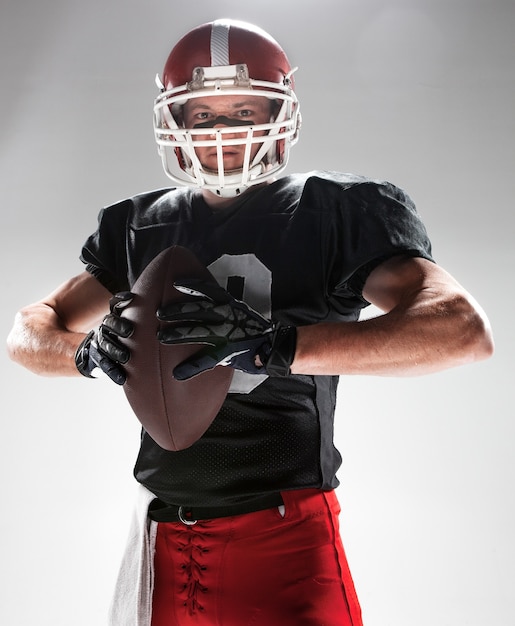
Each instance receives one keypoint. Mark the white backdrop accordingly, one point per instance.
(417, 92)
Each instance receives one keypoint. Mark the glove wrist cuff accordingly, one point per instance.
(82, 361)
(282, 352)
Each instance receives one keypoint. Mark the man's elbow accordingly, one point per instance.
(14, 340)
(484, 343)
(477, 341)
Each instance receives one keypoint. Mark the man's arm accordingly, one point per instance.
(430, 323)
(46, 334)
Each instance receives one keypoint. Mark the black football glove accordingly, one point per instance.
(234, 334)
(102, 348)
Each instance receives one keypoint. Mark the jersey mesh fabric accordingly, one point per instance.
(234, 462)
(314, 238)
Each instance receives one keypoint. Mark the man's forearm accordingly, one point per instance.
(39, 342)
(431, 336)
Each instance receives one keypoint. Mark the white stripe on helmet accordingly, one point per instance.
(220, 43)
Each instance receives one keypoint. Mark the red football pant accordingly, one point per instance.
(257, 569)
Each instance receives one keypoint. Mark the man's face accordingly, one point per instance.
(220, 111)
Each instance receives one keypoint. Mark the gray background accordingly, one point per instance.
(417, 92)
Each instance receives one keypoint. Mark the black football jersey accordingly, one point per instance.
(299, 251)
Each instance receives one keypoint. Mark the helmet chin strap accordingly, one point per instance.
(228, 193)
(231, 191)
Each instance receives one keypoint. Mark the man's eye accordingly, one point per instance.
(203, 115)
(245, 113)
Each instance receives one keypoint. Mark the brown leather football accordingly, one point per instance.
(174, 413)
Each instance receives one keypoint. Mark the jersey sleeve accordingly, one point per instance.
(104, 252)
(375, 222)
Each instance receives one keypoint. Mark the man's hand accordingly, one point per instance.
(234, 334)
(103, 349)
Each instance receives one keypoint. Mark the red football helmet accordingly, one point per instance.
(226, 57)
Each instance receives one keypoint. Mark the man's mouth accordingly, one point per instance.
(226, 153)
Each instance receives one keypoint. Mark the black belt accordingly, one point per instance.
(160, 511)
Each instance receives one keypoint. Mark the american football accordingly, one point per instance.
(174, 413)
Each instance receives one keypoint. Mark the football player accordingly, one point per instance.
(242, 527)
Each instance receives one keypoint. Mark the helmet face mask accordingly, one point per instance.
(265, 146)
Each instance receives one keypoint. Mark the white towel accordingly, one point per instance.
(132, 600)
